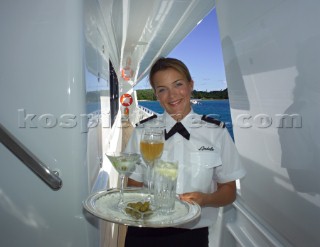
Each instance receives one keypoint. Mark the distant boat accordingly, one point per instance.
(194, 101)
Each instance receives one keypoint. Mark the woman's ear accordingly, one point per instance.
(155, 95)
(191, 85)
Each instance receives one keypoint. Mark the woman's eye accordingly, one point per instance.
(161, 90)
(179, 84)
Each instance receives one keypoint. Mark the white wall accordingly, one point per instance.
(42, 72)
(272, 59)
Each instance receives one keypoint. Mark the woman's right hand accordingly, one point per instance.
(134, 183)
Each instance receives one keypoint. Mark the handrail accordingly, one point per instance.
(147, 110)
(51, 178)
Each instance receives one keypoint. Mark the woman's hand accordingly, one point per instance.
(224, 195)
(134, 183)
(196, 197)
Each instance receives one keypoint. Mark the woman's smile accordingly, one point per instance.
(173, 92)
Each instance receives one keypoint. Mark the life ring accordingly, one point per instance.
(126, 99)
(126, 73)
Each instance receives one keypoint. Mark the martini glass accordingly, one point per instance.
(125, 164)
(151, 148)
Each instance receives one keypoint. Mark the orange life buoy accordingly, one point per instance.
(126, 73)
(126, 99)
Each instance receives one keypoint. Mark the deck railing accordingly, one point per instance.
(141, 113)
(50, 177)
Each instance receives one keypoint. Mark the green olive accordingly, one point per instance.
(135, 210)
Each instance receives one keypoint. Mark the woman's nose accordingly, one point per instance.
(171, 92)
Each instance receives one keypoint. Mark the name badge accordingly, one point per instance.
(203, 148)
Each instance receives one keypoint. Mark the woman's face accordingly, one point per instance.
(173, 92)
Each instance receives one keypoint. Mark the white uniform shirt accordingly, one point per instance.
(207, 158)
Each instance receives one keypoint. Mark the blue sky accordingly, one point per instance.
(201, 52)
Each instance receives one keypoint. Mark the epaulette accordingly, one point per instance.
(147, 119)
(214, 121)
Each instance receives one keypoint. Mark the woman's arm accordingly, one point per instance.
(224, 195)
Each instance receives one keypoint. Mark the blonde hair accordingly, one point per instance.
(168, 63)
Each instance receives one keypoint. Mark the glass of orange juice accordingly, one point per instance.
(151, 148)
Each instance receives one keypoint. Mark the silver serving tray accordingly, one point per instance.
(103, 204)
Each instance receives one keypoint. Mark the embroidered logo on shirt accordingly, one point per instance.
(206, 148)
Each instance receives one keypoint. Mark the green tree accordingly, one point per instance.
(147, 94)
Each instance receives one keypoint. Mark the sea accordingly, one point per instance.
(218, 109)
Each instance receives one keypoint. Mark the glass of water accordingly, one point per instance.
(165, 184)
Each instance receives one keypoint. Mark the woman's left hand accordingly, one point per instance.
(197, 197)
(224, 195)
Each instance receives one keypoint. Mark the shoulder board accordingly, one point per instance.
(214, 121)
(147, 119)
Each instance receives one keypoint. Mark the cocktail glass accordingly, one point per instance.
(125, 164)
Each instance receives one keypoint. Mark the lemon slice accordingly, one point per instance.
(170, 173)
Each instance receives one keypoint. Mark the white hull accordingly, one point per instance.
(272, 57)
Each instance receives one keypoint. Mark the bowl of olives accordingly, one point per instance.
(138, 210)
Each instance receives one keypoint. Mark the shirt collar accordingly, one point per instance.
(169, 121)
